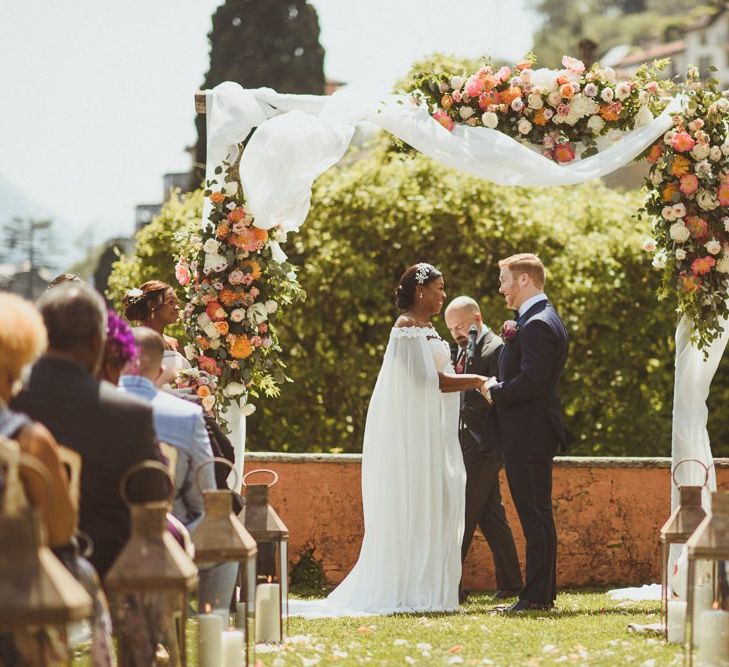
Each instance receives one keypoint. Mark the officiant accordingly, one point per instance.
(478, 351)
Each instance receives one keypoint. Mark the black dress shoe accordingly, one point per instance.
(462, 596)
(505, 593)
(525, 605)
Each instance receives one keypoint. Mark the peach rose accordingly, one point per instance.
(182, 273)
(444, 119)
(698, 227)
(723, 194)
(217, 197)
(203, 391)
(222, 327)
(702, 265)
(564, 153)
(682, 142)
(689, 184)
(236, 215)
(655, 153)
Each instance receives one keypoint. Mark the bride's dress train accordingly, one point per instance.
(413, 490)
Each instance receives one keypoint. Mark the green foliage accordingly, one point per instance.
(372, 219)
(263, 43)
(610, 23)
(157, 247)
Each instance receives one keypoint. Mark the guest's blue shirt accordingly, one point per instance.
(179, 423)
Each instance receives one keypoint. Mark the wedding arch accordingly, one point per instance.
(524, 127)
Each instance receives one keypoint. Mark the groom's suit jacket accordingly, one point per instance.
(528, 411)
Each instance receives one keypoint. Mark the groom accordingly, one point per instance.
(526, 424)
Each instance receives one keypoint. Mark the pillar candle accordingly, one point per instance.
(676, 621)
(224, 614)
(714, 632)
(703, 601)
(233, 651)
(268, 613)
(210, 643)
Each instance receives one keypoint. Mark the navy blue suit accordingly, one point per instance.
(526, 425)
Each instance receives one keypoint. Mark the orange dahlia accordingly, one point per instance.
(680, 166)
(229, 297)
(240, 347)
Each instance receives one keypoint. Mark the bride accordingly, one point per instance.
(413, 478)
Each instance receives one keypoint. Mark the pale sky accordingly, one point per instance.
(96, 96)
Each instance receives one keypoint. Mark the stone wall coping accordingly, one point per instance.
(639, 462)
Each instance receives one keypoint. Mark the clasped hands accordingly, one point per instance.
(485, 389)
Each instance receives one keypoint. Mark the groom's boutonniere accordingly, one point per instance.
(509, 330)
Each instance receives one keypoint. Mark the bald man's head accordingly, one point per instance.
(151, 349)
(460, 315)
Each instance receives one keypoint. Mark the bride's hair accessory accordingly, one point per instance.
(134, 294)
(423, 272)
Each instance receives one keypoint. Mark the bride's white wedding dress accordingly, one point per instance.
(413, 489)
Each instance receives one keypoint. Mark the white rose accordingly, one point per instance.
(700, 151)
(231, 188)
(457, 82)
(189, 352)
(723, 104)
(668, 137)
(211, 247)
(490, 119)
(659, 260)
(466, 112)
(668, 213)
(622, 90)
(703, 169)
(595, 124)
(679, 210)
(722, 266)
(715, 153)
(257, 314)
(680, 254)
(607, 94)
(203, 320)
(713, 247)
(271, 306)
(208, 402)
(524, 126)
(679, 232)
(535, 101)
(656, 177)
(211, 331)
(544, 78)
(215, 263)
(215, 343)
(643, 117)
(238, 314)
(247, 409)
(706, 200)
(233, 389)
(610, 75)
(554, 98)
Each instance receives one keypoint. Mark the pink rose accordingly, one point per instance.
(182, 273)
(255, 292)
(474, 87)
(444, 119)
(504, 73)
(689, 184)
(236, 277)
(257, 341)
(573, 65)
(457, 97)
(208, 365)
(682, 142)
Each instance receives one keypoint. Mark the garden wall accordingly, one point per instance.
(608, 513)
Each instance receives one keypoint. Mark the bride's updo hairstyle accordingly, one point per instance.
(417, 274)
(140, 303)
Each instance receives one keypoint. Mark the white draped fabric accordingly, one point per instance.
(298, 137)
(413, 489)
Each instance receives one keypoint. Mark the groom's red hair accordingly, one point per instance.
(526, 262)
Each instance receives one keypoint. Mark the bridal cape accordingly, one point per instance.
(413, 489)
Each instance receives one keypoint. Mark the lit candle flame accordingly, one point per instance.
(208, 608)
(270, 579)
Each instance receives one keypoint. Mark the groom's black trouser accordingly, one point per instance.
(485, 510)
(530, 483)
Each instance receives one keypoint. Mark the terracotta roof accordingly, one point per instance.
(653, 53)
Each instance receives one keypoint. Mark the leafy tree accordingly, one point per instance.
(263, 43)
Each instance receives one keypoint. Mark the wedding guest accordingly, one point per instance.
(180, 423)
(483, 464)
(22, 340)
(156, 306)
(112, 431)
(120, 349)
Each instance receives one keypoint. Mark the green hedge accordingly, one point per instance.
(385, 210)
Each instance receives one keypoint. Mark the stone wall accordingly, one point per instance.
(608, 513)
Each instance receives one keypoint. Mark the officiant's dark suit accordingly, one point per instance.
(483, 495)
(526, 425)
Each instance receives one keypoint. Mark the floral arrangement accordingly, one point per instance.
(560, 113)
(203, 385)
(688, 192)
(509, 330)
(234, 288)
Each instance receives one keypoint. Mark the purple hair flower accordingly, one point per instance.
(121, 347)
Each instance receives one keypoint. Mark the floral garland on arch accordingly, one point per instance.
(565, 114)
(234, 290)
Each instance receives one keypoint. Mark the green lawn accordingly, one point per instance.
(587, 629)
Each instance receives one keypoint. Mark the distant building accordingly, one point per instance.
(143, 214)
(19, 279)
(704, 44)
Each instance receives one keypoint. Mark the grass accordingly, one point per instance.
(588, 628)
